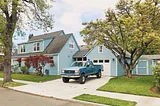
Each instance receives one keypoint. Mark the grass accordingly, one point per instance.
(104, 100)
(137, 85)
(33, 78)
(11, 84)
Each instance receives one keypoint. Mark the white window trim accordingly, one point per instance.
(36, 47)
(71, 43)
(99, 49)
(137, 68)
(21, 48)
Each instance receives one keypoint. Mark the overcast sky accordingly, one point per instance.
(69, 15)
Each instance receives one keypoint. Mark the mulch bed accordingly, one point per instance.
(155, 90)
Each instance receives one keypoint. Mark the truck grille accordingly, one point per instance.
(69, 71)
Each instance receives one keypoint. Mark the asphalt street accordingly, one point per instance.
(14, 98)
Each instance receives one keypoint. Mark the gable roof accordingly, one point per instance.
(84, 49)
(54, 46)
(45, 36)
(57, 44)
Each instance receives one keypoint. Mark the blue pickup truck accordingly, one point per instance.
(80, 71)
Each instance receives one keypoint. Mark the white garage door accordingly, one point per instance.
(106, 65)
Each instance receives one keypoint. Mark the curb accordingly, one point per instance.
(69, 100)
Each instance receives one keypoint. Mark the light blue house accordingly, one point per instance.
(57, 45)
(63, 49)
(102, 55)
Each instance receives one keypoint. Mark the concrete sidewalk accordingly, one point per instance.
(58, 89)
(20, 81)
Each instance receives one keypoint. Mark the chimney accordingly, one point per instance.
(30, 36)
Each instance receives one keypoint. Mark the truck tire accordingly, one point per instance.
(65, 80)
(99, 74)
(82, 79)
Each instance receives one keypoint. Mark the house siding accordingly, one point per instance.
(52, 70)
(120, 71)
(65, 55)
(46, 42)
(29, 47)
(149, 67)
(106, 54)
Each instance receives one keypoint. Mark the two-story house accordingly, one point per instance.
(57, 45)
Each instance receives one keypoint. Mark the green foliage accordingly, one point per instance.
(24, 69)
(105, 100)
(15, 68)
(156, 70)
(137, 85)
(18, 14)
(132, 27)
(11, 84)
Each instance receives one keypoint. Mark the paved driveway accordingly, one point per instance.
(58, 89)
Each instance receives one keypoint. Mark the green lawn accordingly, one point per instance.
(11, 84)
(105, 100)
(33, 78)
(138, 85)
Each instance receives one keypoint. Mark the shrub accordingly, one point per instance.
(24, 69)
(15, 68)
(156, 70)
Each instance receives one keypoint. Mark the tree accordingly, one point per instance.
(38, 62)
(156, 70)
(15, 15)
(128, 31)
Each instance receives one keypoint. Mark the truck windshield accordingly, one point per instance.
(77, 64)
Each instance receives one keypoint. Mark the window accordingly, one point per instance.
(37, 46)
(100, 61)
(51, 57)
(22, 48)
(95, 61)
(71, 45)
(106, 61)
(100, 49)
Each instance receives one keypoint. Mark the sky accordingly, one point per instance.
(69, 15)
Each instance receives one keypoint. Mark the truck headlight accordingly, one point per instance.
(62, 71)
(77, 71)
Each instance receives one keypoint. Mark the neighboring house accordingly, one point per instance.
(102, 55)
(57, 45)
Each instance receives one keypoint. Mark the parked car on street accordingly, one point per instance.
(80, 71)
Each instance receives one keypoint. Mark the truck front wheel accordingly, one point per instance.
(65, 80)
(82, 79)
(99, 74)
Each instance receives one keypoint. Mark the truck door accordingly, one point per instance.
(92, 67)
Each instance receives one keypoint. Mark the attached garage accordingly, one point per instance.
(106, 65)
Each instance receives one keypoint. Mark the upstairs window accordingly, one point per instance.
(22, 48)
(71, 45)
(100, 49)
(36, 46)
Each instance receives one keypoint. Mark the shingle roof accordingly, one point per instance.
(57, 44)
(44, 36)
(84, 49)
(151, 56)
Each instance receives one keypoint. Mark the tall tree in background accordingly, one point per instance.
(15, 15)
(133, 26)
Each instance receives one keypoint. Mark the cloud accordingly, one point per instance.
(69, 14)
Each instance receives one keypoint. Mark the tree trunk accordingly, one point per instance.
(129, 73)
(7, 59)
